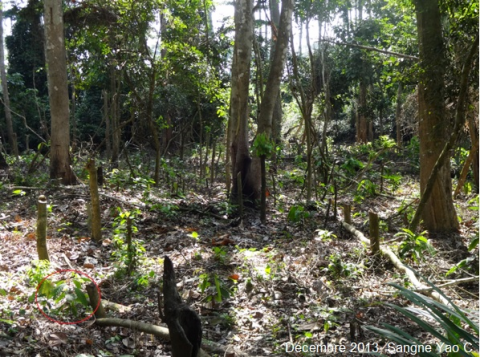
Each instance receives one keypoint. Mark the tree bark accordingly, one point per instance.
(6, 99)
(96, 219)
(432, 183)
(465, 169)
(473, 129)
(362, 125)
(55, 55)
(277, 110)
(3, 162)
(239, 153)
(42, 249)
(276, 70)
(398, 112)
(436, 205)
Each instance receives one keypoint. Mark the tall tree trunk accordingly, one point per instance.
(362, 124)
(58, 92)
(106, 118)
(276, 70)
(3, 162)
(439, 213)
(305, 103)
(6, 99)
(398, 113)
(473, 129)
(277, 110)
(114, 118)
(239, 153)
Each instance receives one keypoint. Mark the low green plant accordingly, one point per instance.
(225, 207)
(456, 329)
(297, 214)
(470, 263)
(59, 298)
(365, 188)
(169, 210)
(414, 245)
(219, 291)
(129, 250)
(326, 236)
(339, 268)
(220, 254)
(352, 165)
(412, 151)
(393, 180)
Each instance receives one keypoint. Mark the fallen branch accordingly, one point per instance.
(162, 332)
(159, 331)
(456, 282)
(400, 266)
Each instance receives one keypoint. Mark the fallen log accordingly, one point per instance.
(426, 290)
(162, 332)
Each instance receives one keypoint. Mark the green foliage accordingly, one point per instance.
(352, 165)
(169, 210)
(458, 332)
(220, 254)
(339, 268)
(124, 224)
(262, 146)
(39, 270)
(297, 214)
(470, 263)
(413, 151)
(365, 188)
(326, 236)
(414, 246)
(384, 142)
(218, 290)
(59, 298)
(394, 180)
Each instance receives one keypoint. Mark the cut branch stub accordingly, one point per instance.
(183, 323)
(42, 228)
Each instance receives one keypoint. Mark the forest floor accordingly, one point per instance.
(299, 279)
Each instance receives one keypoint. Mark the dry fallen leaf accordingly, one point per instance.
(57, 339)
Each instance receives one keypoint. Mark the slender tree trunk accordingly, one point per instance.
(398, 113)
(55, 55)
(362, 125)
(153, 125)
(6, 99)
(3, 162)
(306, 105)
(473, 129)
(277, 110)
(328, 106)
(439, 212)
(72, 117)
(114, 120)
(96, 219)
(239, 152)
(276, 69)
(106, 118)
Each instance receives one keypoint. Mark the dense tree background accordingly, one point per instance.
(293, 107)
